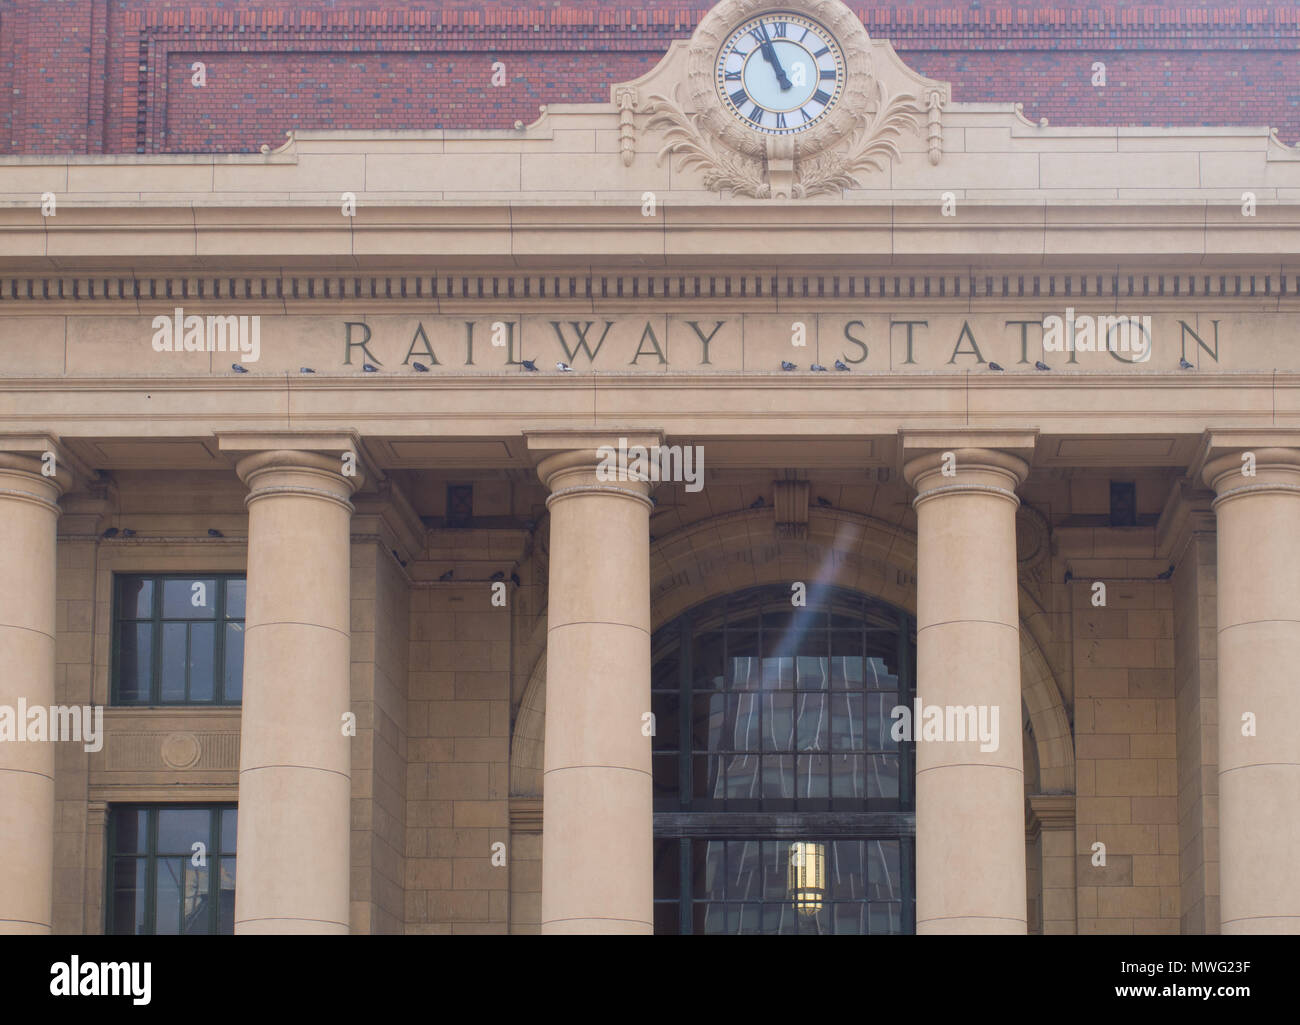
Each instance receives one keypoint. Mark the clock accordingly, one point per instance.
(780, 73)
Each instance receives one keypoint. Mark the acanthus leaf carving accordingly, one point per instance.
(873, 143)
(684, 137)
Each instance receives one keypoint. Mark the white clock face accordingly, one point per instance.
(780, 73)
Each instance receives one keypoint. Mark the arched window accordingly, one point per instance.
(782, 804)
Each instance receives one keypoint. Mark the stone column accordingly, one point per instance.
(970, 819)
(295, 760)
(597, 837)
(1259, 689)
(29, 514)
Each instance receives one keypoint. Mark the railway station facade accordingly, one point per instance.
(963, 595)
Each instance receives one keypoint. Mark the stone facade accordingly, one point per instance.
(435, 560)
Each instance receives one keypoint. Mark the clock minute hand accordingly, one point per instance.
(769, 55)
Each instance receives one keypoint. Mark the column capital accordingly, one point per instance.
(954, 471)
(310, 464)
(1242, 471)
(569, 462)
(56, 471)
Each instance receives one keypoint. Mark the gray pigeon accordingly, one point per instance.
(817, 368)
(563, 367)
(841, 365)
(788, 366)
(529, 366)
(994, 366)
(238, 369)
(1183, 364)
(1040, 365)
(419, 368)
(369, 369)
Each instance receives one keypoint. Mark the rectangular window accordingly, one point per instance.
(171, 870)
(178, 640)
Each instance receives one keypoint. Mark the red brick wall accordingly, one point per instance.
(91, 76)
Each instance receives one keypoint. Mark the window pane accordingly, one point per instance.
(882, 776)
(814, 726)
(706, 661)
(180, 828)
(778, 722)
(778, 776)
(172, 670)
(134, 598)
(235, 591)
(128, 898)
(846, 722)
(778, 673)
(886, 919)
(664, 707)
(229, 826)
(668, 868)
(885, 879)
(743, 777)
(710, 919)
(744, 667)
(202, 660)
(847, 879)
(744, 870)
(130, 830)
(234, 672)
(879, 676)
(196, 903)
(666, 918)
(712, 884)
(665, 771)
(813, 673)
(708, 715)
(779, 920)
(846, 672)
(706, 771)
(848, 776)
(189, 599)
(746, 713)
(134, 660)
(776, 869)
(226, 898)
(814, 776)
(849, 919)
(880, 721)
(167, 896)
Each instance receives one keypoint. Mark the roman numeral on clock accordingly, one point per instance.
(779, 29)
(780, 121)
(827, 76)
(822, 52)
(822, 96)
(734, 76)
(739, 98)
(806, 117)
(756, 115)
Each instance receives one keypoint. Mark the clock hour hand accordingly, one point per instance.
(769, 55)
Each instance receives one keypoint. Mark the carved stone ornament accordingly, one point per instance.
(858, 134)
